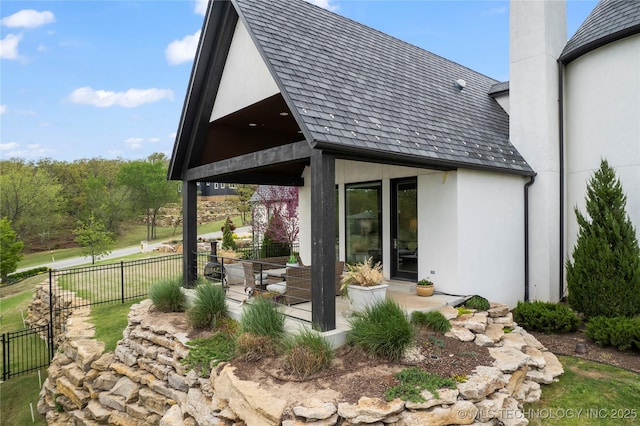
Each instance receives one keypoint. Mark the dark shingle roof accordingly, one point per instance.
(354, 88)
(499, 88)
(609, 21)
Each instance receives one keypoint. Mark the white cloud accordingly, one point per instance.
(9, 146)
(325, 4)
(201, 7)
(28, 18)
(129, 99)
(495, 11)
(134, 143)
(184, 50)
(9, 46)
(3, 109)
(154, 140)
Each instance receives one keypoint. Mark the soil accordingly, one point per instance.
(354, 374)
(565, 344)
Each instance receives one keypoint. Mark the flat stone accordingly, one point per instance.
(490, 407)
(172, 417)
(461, 333)
(126, 388)
(449, 312)
(511, 415)
(97, 411)
(445, 397)
(369, 410)
(497, 310)
(74, 374)
(79, 397)
(536, 358)
(105, 381)
(553, 365)
(118, 418)
(483, 340)
(315, 409)
(483, 382)
(517, 379)
(137, 411)
(117, 402)
(508, 359)
(87, 352)
(460, 413)
(153, 401)
(103, 363)
(514, 340)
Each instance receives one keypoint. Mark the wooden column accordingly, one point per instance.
(323, 237)
(189, 232)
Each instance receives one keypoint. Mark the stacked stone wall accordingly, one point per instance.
(144, 382)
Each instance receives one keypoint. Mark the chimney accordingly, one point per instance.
(537, 35)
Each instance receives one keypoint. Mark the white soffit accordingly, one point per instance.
(245, 78)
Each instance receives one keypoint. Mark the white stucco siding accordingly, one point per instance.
(490, 236)
(438, 230)
(602, 120)
(245, 79)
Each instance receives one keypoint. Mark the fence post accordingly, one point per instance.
(5, 357)
(51, 304)
(122, 281)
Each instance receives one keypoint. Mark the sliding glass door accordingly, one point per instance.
(363, 206)
(404, 229)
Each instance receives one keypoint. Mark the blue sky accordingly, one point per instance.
(107, 79)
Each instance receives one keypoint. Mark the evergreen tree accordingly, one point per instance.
(604, 277)
(228, 242)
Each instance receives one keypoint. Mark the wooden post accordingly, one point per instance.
(189, 232)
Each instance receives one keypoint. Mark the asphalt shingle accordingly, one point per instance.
(363, 89)
(608, 21)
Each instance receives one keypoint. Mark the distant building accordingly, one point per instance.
(216, 189)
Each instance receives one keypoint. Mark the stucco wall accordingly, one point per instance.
(245, 79)
(602, 120)
(471, 226)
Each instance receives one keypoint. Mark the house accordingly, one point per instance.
(216, 189)
(399, 154)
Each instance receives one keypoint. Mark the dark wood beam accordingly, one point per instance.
(258, 179)
(323, 237)
(289, 153)
(189, 232)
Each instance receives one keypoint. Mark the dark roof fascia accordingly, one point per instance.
(283, 91)
(373, 156)
(211, 55)
(499, 89)
(290, 153)
(593, 45)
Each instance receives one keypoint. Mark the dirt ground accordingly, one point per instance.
(354, 374)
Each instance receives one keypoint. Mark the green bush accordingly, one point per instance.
(167, 295)
(209, 352)
(208, 306)
(382, 329)
(307, 353)
(621, 332)
(413, 381)
(262, 318)
(228, 243)
(604, 276)
(19, 276)
(434, 320)
(478, 303)
(546, 317)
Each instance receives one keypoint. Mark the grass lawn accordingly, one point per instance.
(110, 321)
(16, 395)
(588, 393)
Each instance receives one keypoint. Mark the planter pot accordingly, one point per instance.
(362, 297)
(235, 273)
(292, 265)
(424, 290)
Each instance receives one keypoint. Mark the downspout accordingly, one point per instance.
(526, 237)
(561, 177)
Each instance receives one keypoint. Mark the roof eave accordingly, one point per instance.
(573, 54)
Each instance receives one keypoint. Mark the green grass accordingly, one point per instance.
(588, 393)
(110, 321)
(10, 309)
(15, 396)
(131, 237)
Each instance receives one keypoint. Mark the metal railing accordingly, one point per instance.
(25, 350)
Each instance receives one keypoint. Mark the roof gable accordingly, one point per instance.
(609, 21)
(245, 79)
(363, 94)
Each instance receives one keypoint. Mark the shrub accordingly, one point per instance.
(167, 295)
(207, 353)
(228, 243)
(478, 303)
(263, 318)
(604, 277)
(546, 317)
(253, 347)
(413, 381)
(621, 332)
(434, 320)
(382, 329)
(19, 276)
(307, 353)
(208, 306)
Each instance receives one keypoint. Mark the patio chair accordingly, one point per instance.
(297, 287)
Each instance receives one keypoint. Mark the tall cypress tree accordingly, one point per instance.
(604, 277)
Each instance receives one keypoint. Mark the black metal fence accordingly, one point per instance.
(25, 350)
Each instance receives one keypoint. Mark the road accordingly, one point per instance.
(123, 252)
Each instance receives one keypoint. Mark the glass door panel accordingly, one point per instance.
(363, 206)
(404, 238)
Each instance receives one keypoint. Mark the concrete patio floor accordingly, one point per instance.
(298, 316)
